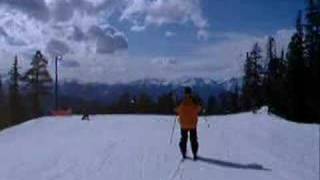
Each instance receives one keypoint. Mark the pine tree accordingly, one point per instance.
(276, 85)
(5, 119)
(275, 79)
(123, 104)
(1, 92)
(166, 103)
(253, 79)
(235, 105)
(312, 33)
(224, 103)
(312, 44)
(297, 72)
(247, 89)
(39, 82)
(145, 104)
(2, 98)
(271, 49)
(212, 105)
(2, 110)
(272, 70)
(15, 98)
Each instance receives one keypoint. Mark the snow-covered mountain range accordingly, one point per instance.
(107, 93)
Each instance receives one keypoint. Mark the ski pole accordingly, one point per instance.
(173, 127)
(174, 100)
(206, 118)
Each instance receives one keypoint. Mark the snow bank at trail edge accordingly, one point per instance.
(132, 147)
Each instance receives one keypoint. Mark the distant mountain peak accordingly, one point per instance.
(184, 81)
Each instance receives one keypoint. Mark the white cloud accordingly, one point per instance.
(203, 34)
(37, 24)
(169, 34)
(137, 28)
(59, 27)
(33, 8)
(160, 12)
(57, 47)
(94, 50)
(282, 37)
(67, 20)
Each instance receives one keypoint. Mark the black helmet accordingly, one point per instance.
(188, 90)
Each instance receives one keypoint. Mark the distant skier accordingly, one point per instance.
(188, 112)
(85, 115)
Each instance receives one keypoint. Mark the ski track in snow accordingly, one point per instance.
(176, 171)
(136, 147)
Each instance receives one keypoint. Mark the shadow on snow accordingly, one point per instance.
(228, 164)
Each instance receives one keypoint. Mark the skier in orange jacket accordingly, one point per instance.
(188, 112)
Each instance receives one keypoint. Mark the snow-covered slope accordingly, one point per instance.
(132, 147)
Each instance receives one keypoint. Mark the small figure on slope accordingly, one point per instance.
(85, 115)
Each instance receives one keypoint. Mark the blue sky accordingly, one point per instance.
(252, 17)
(109, 41)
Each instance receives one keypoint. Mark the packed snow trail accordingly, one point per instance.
(133, 147)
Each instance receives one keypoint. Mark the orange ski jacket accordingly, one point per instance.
(188, 112)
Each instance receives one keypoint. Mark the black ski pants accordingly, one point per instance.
(193, 140)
